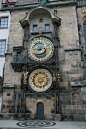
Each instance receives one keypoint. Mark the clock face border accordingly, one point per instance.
(43, 55)
(48, 80)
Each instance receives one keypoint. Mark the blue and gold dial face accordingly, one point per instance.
(40, 80)
(40, 49)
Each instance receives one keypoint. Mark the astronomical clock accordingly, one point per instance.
(40, 50)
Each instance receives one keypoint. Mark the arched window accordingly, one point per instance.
(84, 26)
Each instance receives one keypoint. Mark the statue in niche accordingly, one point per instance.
(42, 2)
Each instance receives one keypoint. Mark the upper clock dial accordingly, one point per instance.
(40, 49)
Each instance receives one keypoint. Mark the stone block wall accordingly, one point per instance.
(16, 35)
(21, 2)
(11, 99)
(8, 101)
(73, 105)
(68, 31)
(71, 99)
(49, 106)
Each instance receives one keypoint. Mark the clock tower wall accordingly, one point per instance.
(48, 103)
(19, 64)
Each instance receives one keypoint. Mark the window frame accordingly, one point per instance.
(4, 22)
(36, 29)
(19, 57)
(45, 27)
(4, 48)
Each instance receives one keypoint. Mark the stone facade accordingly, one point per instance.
(65, 100)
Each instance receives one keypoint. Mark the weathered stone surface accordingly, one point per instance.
(57, 117)
(5, 110)
(67, 117)
(32, 116)
(49, 117)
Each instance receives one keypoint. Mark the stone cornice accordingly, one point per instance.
(30, 7)
(78, 84)
(8, 86)
(62, 4)
(73, 49)
(8, 53)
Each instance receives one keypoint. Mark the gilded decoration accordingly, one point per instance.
(40, 49)
(40, 80)
(25, 77)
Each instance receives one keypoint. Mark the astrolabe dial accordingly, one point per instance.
(40, 49)
(40, 80)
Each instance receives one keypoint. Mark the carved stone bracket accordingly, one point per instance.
(18, 48)
(17, 67)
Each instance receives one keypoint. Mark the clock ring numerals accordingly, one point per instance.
(40, 49)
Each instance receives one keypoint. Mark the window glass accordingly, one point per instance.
(4, 22)
(18, 56)
(2, 47)
(84, 26)
(34, 27)
(47, 27)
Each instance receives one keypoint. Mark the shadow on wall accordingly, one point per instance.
(1, 83)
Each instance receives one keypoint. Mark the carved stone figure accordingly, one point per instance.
(42, 2)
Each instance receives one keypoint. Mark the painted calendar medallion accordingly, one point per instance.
(40, 80)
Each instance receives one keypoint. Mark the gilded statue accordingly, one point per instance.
(25, 77)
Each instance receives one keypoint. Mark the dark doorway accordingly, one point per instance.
(40, 111)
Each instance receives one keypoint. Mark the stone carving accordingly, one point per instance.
(42, 2)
